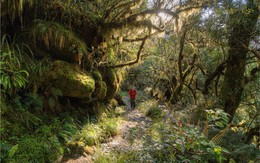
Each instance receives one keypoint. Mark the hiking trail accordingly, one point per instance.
(132, 128)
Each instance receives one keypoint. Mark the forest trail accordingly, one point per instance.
(132, 129)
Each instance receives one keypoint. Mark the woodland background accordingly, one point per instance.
(66, 67)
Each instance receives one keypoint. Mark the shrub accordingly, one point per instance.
(154, 112)
(36, 149)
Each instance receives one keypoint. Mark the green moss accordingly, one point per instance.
(100, 90)
(110, 77)
(96, 75)
(37, 149)
(71, 81)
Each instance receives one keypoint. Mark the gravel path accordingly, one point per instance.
(132, 128)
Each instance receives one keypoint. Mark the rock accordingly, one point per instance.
(70, 80)
(89, 150)
(119, 110)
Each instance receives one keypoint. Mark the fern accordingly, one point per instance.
(33, 101)
(68, 130)
(13, 77)
(217, 138)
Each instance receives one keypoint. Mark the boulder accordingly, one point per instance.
(72, 81)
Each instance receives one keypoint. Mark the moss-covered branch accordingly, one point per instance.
(137, 56)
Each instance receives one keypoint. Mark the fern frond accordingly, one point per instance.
(217, 138)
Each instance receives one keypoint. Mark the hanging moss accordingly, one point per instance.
(57, 40)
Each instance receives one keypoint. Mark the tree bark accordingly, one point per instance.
(242, 31)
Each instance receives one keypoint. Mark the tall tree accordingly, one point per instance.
(242, 30)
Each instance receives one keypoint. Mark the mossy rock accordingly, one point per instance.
(75, 148)
(70, 80)
(100, 90)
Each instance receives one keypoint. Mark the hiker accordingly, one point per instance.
(132, 94)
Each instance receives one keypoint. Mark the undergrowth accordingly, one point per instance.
(28, 136)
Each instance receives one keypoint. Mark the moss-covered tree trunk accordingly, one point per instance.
(242, 31)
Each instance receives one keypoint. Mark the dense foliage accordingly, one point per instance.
(65, 65)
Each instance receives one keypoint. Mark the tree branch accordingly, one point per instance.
(138, 39)
(137, 56)
(211, 77)
(193, 93)
(188, 70)
(180, 58)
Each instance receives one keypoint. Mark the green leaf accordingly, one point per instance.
(17, 82)
(25, 72)
(13, 150)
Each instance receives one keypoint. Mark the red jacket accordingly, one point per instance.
(132, 93)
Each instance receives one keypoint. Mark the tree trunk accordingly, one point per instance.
(242, 31)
